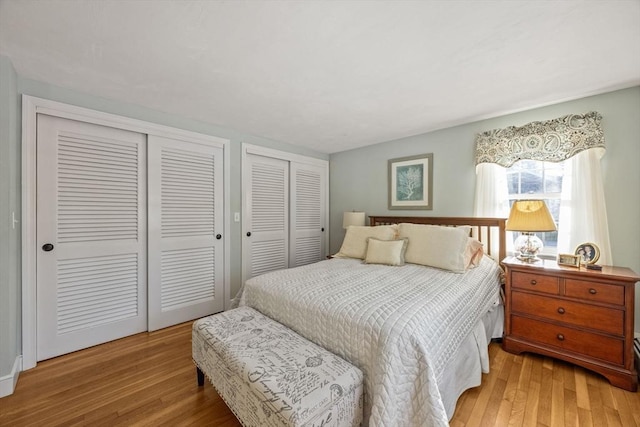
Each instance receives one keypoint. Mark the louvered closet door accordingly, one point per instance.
(91, 232)
(308, 193)
(186, 252)
(266, 230)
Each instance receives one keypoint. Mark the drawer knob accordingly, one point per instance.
(593, 291)
(560, 337)
(560, 310)
(533, 282)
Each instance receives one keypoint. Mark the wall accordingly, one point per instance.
(10, 288)
(365, 171)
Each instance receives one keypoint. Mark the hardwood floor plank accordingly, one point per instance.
(149, 380)
(557, 402)
(531, 409)
(546, 393)
(584, 418)
(582, 393)
(570, 408)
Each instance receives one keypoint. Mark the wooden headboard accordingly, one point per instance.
(481, 229)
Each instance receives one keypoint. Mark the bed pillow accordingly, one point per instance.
(436, 246)
(387, 252)
(354, 244)
(473, 253)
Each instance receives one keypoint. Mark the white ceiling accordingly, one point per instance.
(327, 75)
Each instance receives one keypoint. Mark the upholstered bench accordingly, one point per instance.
(270, 376)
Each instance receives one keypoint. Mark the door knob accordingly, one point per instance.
(248, 234)
(218, 236)
(47, 247)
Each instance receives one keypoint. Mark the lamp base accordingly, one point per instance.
(528, 258)
(528, 246)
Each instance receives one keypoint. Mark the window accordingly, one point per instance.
(532, 179)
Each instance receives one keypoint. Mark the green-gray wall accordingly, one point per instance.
(359, 177)
(10, 288)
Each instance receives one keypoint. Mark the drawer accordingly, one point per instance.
(575, 313)
(534, 282)
(592, 291)
(570, 340)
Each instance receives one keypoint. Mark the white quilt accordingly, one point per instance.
(399, 325)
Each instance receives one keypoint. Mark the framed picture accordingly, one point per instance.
(411, 182)
(569, 260)
(588, 253)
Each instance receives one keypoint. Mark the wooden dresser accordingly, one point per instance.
(578, 315)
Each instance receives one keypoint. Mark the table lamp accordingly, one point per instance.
(528, 217)
(352, 218)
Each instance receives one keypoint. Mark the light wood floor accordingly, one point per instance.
(149, 379)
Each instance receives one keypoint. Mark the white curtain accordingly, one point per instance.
(492, 197)
(583, 205)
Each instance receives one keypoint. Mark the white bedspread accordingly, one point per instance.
(399, 325)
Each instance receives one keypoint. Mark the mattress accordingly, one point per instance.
(404, 327)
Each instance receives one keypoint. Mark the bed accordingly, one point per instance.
(419, 333)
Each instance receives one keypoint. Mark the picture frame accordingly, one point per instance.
(589, 253)
(411, 182)
(569, 260)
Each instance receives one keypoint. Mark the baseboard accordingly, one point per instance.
(8, 382)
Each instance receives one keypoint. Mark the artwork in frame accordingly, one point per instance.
(411, 182)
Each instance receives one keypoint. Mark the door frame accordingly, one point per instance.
(31, 107)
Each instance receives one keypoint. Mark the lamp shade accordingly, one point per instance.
(530, 216)
(352, 218)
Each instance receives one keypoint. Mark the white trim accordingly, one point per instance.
(8, 382)
(31, 106)
(282, 155)
(227, 218)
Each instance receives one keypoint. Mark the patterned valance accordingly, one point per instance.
(550, 141)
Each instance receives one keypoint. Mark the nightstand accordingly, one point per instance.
(574, 314)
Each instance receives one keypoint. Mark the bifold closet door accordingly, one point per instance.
(186, 249)
(91, 233)
(308, 195)
(266, 228)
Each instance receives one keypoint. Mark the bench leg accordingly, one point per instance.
(200, 375)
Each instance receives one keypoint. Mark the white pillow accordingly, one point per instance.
(436, 246)
(354, 244)
(387, 252)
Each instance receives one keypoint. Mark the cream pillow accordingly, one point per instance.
(354, 244)
(436, 246)
(387, 252)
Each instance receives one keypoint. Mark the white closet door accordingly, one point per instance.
(308, 217)
(91, 233)
(266, 226)
(186, 253)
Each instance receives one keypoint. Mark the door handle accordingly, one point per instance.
(248, 234)
(218, 236)
(47, 247)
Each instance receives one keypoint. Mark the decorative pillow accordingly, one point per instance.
(473, 253)
(387, 252)
(436, 246)
(354, 244)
